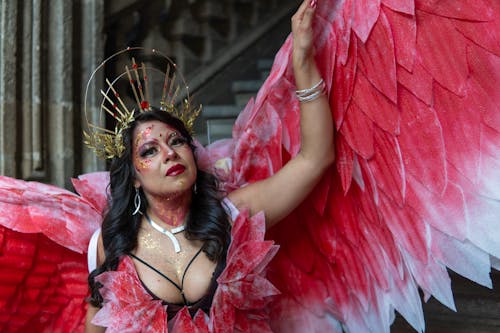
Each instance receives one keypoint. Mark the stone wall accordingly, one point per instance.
(49, 48)
(45, 51)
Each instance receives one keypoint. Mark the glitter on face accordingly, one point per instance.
(142, 164)
(157, 148)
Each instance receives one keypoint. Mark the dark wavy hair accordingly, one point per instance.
(206, 220)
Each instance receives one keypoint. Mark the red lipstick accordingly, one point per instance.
(175, 170)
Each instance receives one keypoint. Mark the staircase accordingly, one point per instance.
(223, 48)
(217, 120)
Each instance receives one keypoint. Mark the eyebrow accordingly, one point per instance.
(173, 134)
(148, 142)
(155, 140)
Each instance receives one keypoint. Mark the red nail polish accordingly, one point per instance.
(313, 3)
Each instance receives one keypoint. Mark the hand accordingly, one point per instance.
(303, 50)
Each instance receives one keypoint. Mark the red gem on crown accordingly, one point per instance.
(145, 105)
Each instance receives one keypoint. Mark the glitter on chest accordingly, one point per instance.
(160, 255)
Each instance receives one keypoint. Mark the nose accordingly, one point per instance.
(169, 153)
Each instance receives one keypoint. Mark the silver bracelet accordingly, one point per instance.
(311, 97)
(309, 90)
(310, 94)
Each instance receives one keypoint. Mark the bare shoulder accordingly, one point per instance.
(101, 254)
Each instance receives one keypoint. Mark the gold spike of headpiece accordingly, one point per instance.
(108, 144)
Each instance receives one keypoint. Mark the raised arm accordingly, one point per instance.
(278, 195)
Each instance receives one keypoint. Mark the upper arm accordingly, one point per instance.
(96, 254)
(92, 310)
(279, 194)
(101, 256)
(89, 327)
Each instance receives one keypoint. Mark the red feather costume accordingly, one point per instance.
(413, 88)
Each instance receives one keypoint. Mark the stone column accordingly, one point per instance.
(9, 17)
(60, 91)
(91, 46)
(47, 51)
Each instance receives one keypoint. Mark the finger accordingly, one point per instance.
(308, 17)
(300, 12)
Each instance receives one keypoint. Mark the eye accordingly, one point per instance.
(148, 152)
(177, 141)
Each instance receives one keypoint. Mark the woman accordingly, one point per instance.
(156, 189)
(414, 192)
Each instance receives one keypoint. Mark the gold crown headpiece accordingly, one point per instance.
(139, 78)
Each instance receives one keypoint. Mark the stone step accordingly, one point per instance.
(218, 121)
(241, 99)
(264, 64)
(220, 111)
(215, 129)
(244, 86)
(264, 67)
(244, 90)
(219, 129)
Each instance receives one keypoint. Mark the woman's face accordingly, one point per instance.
(163, 160)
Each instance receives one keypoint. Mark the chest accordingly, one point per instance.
(176, 277)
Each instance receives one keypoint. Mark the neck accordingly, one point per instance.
(171, 210)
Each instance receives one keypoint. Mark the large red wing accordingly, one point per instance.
(63, 216)
(413, 87)
(43, 284)
(44, 234)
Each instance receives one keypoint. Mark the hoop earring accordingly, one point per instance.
(137, 202)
